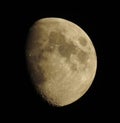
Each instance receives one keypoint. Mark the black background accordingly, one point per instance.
(20, 98)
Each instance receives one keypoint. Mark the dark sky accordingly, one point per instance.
(21, 99)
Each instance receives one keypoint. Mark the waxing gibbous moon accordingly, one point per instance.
(61, 60)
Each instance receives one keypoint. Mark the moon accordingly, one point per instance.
(61, 60)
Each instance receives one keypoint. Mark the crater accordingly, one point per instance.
(56, 38)
(83, 56)
(38, 75)
(50, 48)
(73, 67)
(41, 56)
(37, 56)
(83, 41)
(66, 49)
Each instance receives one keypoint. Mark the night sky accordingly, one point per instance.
(21, 98)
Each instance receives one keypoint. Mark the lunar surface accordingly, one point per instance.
(61, 60)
